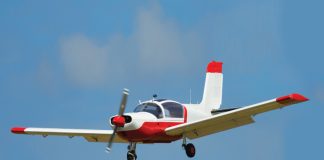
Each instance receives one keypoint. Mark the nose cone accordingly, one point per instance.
(131, 121)
(118, 121)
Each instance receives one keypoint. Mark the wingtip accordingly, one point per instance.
(292, 98)
(18, 130)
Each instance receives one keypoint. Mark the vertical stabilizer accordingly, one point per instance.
(212, 97)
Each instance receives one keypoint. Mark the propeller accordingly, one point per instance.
(118, 121)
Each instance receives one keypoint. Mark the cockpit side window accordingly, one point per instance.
(173, 110)
(150, 108)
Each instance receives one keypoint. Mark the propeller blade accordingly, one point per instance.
(110, 142)
(120, 113)
(123, 102)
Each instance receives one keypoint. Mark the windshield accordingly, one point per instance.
(150, 108)
(173, 110)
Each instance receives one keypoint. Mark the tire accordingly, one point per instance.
(131, 155)
(190, 150)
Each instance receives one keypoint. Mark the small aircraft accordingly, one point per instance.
(165, 121)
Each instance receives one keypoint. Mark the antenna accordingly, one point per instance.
(154, 97)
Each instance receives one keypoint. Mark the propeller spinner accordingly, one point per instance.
(118, 121)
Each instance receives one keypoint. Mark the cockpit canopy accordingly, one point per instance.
(161, 108)
(172, 110)
(152, 108)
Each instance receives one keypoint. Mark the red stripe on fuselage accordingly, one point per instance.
(150, 132)
(185, 114)
(153, 132)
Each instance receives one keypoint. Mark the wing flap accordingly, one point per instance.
(88, 134)
(226, 125)
(233, 118)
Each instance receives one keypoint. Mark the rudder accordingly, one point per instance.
(212, 96)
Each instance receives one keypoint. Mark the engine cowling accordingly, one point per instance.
(120, 121)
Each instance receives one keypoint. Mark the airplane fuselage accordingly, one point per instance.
(148, 124)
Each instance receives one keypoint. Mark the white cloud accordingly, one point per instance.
(246, 36)
(155, 45)
(85, 62)
(159, 41)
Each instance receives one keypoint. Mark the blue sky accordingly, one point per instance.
(65, 63)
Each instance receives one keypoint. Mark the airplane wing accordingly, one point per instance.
(88, 134)
(231, 119)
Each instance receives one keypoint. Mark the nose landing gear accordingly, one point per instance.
(189, 148)
(131, 154)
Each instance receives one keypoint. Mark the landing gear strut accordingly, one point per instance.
(190, 148)
(131, 154)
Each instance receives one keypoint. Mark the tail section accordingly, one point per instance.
(212, 97)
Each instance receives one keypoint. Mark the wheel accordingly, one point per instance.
(131, 155)
(190, 150)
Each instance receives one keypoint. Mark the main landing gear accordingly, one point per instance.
(190, 148)
(131, 154)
